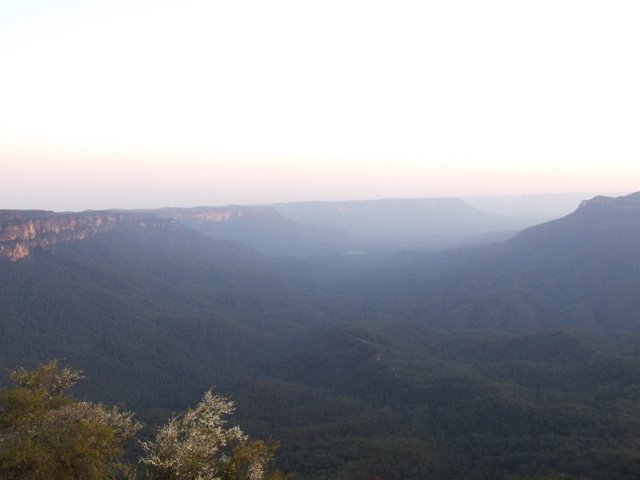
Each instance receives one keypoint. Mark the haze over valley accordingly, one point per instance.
(338, 240)
(499, 358)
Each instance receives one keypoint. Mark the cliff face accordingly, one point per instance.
(202, 215)
(23, 231)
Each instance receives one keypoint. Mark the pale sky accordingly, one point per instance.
(148, 103)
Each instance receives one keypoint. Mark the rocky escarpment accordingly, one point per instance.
(23, 231)
(628, 203)
(199, 215)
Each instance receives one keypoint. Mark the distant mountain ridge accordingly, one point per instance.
(393, 219)
(308, 228)
(543, 207)
(303, 229)
(627, 202)
(262, 228)
(221, 214)
(329, 228)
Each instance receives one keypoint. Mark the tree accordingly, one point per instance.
(198, 445)
(46, 434)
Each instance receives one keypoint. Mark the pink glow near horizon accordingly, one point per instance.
(77, 185)
(243, 102)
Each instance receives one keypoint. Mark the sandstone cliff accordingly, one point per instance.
(231, 213)
(23, 231)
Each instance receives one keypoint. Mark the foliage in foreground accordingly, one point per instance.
(46, 434)
(197, 445)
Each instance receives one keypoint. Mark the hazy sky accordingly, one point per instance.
(149, 103)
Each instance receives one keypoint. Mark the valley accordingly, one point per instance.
(512, 359)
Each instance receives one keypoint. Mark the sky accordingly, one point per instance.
(150, 103)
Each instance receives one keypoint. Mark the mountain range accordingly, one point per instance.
(513, 359)
(305, 229)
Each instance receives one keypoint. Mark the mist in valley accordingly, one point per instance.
(319, 240)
